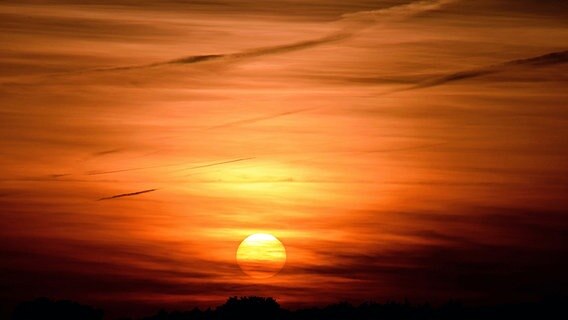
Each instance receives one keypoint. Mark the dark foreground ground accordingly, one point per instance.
(268, 309)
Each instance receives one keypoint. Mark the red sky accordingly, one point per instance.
(397, 148)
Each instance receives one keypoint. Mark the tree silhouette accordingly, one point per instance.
(256, 308)
(249, 308)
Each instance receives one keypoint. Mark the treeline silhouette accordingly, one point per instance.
(266, 308)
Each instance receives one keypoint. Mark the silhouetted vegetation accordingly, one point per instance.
(256, 308)
(249, 308)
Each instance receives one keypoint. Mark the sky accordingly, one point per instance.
(396, 148)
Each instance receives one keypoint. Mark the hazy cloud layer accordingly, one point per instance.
(353, 23)
(398, 149)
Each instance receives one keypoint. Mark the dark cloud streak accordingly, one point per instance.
(122, 195)
(355, 22)
(549, 59)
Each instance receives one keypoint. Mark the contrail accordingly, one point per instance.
(552, 58)
(215, 164)
(92, 173)
(260, 118)
(152, 190)
(127, 194)
(396, 12)
(544, 60)
(548, 59)
(412, 148)
(106, 152)
(231, 57)
(353, 23)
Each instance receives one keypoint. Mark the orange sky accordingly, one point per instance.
(398, 149)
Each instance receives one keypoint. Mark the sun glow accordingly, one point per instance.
(261, 255)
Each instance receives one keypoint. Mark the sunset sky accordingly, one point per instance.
(396, 148)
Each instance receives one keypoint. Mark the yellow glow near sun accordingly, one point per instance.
(261, 255)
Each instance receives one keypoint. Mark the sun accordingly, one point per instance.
(261, 255)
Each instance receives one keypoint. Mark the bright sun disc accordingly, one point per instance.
(261, 255)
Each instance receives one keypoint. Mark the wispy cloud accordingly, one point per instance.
(92, 173)
(106, 152)
(549, 59)
(261, 118)
(216, 164)
(377, 195)
(352, 24)
(130, 194)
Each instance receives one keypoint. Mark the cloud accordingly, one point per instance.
(353, 23)
(317, 173)
(396, 12)
(448, 253)
(217, 164)
(122, 195)
(543, 60)
(91, 173)
(106, 152)
(261, 118)
(549, 59)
